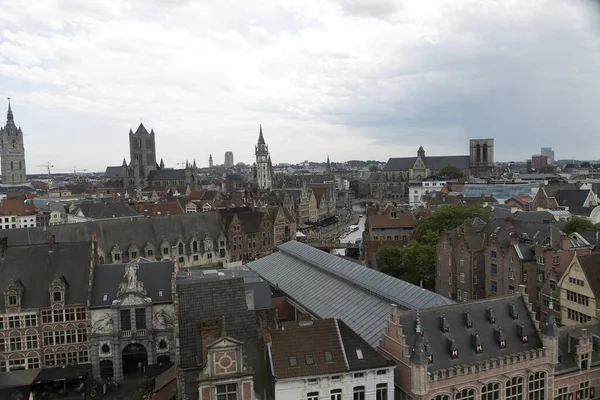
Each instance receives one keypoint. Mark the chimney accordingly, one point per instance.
(514, 238)
(565, 242)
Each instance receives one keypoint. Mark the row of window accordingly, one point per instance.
(140, 319)
(64, 315)
(195, 248)
(513, 390)
(20, 363)
(358, 393)
(389, 238)
(578, 298)
(463, 295)
(18, 343)
(68, 336)
(70, 357)
(18, 321)
(577, 316)
(584, 392)
(575, 281)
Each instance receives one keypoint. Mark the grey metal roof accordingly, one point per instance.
(114, 172)
(331, 287)
(261, 289)
(500, 192)
(436, 338)
(156, 277)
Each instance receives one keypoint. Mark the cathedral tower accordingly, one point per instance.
(263, 163)
(142, 150)
(12, 152)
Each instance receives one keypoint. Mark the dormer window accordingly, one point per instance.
(491, 316)
(468, 319)
(444, 324)
(521, 332)
(309, 359)
(359, 354)
(105, 297)
(328, 356)
(12, 300)
(513, 311)
(57, 296)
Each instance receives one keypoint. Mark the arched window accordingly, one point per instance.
(514, 388)
(478, 153)
(194, 246)
(465, 394)
(537, 386)
(12, 165)
(180, 248)
(485, 153)
(491, 391)
(20, 165)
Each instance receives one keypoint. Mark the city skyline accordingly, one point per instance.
(349, 79)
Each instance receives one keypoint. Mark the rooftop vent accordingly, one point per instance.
(500, 338)
(468, 319)
(444, 323)
(490, 315)
(452, 349)
(476, 342)
(512, 309)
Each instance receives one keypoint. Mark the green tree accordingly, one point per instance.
(415, 262)
(373, 168)
(578, 224)
(451, 172)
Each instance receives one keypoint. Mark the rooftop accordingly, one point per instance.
(332, 287)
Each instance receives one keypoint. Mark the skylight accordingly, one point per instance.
(359, 354)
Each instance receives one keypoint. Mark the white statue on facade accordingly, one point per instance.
(130, 282)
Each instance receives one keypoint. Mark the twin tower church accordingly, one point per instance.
(12, 152)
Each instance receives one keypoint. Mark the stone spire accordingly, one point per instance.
(9, 114)
(328, 164)
(421, 152)
(419, 355)
(162, 164)
(261, 139)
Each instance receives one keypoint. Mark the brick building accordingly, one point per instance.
(389, 227)
(478, 260)
(238, 316)
(44, 321)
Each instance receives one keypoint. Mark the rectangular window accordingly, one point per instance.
(540, 260)
(312, 396)
(494, 286)
(309, 359)
(462, 262)
(58, 315)
(81, 335)
(494, 268)
(556, 260)
(562, 393)
(465, 295)
(511, 289)
(359, 375)
(381, 391)
(359, 393)
(70, 314)
(381, 372)
(33, 363)
(32, 342)
(540, 275)
(80, 313)
(494, 254)
(475, 279)
(227, 392)
(140, 318)
(14, 322)
(15, 344)
(48, 339)
(125, 320)
(511, 274)
(71, 336)
(61, 358)
(459, 294)
(336, 394)
(30, 320)
(83, 357)
(165, 251)
(462, 277)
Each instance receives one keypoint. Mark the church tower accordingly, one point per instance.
(12, 152)
(263, 163)
(210, 161)
(142, 150)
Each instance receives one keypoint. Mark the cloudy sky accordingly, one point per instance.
(355, 79)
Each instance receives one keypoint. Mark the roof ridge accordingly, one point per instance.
(339, 334)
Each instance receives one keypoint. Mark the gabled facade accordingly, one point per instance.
(580, 290)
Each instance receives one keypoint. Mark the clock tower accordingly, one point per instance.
(12, 152)
(263, 163)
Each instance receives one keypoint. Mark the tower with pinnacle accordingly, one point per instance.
(12, 151)
(263, 163)
(210, 161)
(142, 150)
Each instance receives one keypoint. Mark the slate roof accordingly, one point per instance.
(299, 339)
(331, 287)
(100, 210)
(431, 162)
(155, 276)
(125, 232)
(436, 339)
(591, 267)
(552, 188)
(567, 339)
(260, 288)
(167, 175)
(36, 266)
(572, 198)
(114, 172)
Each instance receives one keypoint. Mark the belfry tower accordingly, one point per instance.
(12, 151)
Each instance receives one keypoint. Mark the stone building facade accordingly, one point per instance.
(579, 290)
(44, 321)
(389, 227)
(132, 317)
(12, 152)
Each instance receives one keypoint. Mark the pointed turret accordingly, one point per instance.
(141, 129)
(162, 164)
(419, 355)
(124, 162)
(195, 163)
(421, 152)
(9, 114)
(261, 139)
(328, 164)
(549, 328)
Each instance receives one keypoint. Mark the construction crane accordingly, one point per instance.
(47, 166)
(75, 171)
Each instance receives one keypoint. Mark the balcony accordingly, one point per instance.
(137, 332)
(126, 333)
